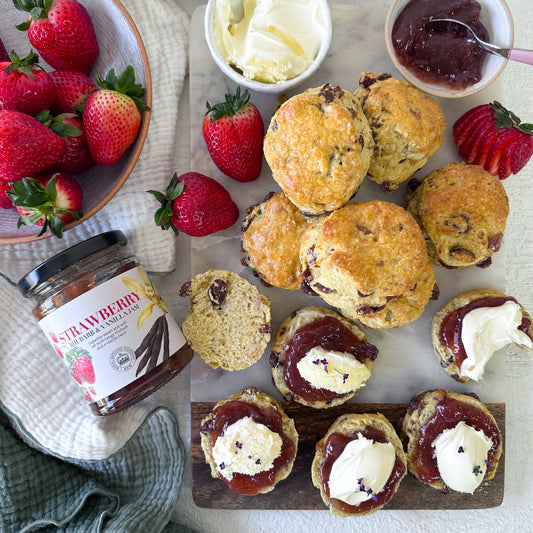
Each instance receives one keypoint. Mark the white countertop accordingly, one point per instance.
(516, 512)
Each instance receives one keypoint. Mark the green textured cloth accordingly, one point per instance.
(134, 490)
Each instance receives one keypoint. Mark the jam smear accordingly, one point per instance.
(335, 445)
(448, 414)
(232, 411)
(444, 57)
(329, 333)
(452, 324)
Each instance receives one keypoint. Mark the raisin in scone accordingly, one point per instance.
(370, 261)
(271, 236)
(473, 325)
(318, 146)
(358, 465)
(229, 321)
(453, 441)
(462, 211)
(319, 358)
(407, 125)
(249, 442)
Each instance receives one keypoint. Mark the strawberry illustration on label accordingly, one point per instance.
(80, 365)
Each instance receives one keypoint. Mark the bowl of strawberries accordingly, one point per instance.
(74, 112)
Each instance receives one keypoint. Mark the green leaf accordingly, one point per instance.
(507, 119)
(23, 26)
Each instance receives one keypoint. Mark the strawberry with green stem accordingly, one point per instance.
(493, 137)
(112, 116)
(51, 200)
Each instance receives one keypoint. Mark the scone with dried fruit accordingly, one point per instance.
(453, 441)
(229, 321)
(472, 326)
(358, 465)
(249, 442)
(319, 358)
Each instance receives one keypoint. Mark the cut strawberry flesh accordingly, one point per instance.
(477, 134)
(463, 132)
(498, 148)
(522, 153)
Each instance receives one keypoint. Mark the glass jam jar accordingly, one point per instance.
(105, 319)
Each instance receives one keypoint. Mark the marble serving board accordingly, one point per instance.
(406, 362)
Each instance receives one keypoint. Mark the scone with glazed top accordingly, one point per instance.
(407, 125)
(462, 211)
(453, 441)
(358, 464)
(471, 327)
(318, 146)
(370, 261)
(271, 236)
(319, 358)
(249, 442)
(229, 321)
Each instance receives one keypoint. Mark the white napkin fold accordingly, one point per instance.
(35, 388)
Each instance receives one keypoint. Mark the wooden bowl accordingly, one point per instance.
(120, 45)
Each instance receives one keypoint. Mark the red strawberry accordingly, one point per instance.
(196, 205)
(24, 85)
(495, 138)
(5, 200)
(77, 158)
(50, 200)
(27, 146)
(233, 132)
(4, 56)
(83, 367)
(111, 116)
(72, 90)
(62, 32)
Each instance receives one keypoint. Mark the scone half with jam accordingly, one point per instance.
(358, 464)
(249, 442)
(319, 358)
(228, 324)
(472, 326)
(453, 441)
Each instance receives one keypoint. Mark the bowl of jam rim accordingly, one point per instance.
(445, 63)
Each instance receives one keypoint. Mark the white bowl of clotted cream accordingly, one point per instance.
(268, 45)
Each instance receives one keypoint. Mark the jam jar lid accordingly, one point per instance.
(68, 257)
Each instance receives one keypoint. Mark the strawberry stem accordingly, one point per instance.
(23, 65)
(507, 119)
(38, 9)
(230, 106)
(163, 215)
(124, 83)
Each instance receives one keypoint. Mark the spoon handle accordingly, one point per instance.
(524, 56)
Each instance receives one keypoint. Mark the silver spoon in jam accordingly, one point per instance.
(448, 24)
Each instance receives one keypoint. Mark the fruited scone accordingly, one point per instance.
(318, 146)
(249, 442)
(453, 441)
(320, 358)
(358, 464)
(271, 236)
(408, 127)
(229, 321)
(462, 211)
(472, 326)
(370, 261)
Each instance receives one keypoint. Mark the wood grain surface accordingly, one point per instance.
(297, 491)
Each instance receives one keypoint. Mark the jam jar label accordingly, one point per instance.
(113, 334)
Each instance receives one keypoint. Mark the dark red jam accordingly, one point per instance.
(229, 413)
(329, 333)
(449, 413)
(451, 326)
(442, 56)
(335, 445)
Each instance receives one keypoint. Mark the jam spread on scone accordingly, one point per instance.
(370, 498)
(326, 339)
(259, 468)
(461, 325)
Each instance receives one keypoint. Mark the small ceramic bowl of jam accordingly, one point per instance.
(440, 60)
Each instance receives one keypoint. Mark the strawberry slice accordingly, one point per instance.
(463, 126)
(497, 150)
(522, 153)
(477, 133)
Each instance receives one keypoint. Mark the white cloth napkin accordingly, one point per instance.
(35, 388)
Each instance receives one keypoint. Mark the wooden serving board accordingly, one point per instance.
(297, 491)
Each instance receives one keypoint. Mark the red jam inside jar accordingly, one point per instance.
(442, 56)
(104, 318)
(329, 333)
(335, 445)
(448, 414)
(452, 324)
(230, 412)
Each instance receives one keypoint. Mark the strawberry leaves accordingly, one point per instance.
(230, 106)
(507, 119)
(163, 215)
(124, 84)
